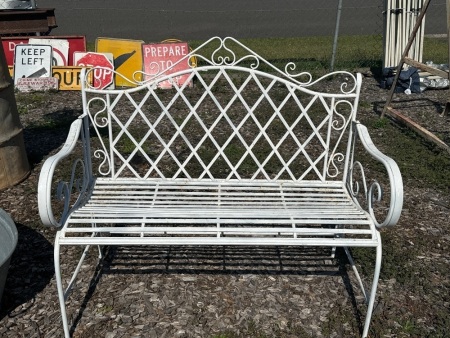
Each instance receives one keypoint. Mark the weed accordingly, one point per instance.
(380, 123)
(26, 102)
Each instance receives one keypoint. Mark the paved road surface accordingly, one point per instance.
(200, 19)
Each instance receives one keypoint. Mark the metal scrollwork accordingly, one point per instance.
(228, 52)
(99, 118)
(96, 116)
(77, 184)
(333, 169)
(372, 194)
(340, 122)
(105, 162)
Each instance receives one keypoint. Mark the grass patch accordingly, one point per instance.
(26, 102)
(424, 164)
(435, 49)
(313, 53)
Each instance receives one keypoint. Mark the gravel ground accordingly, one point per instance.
(216, 292)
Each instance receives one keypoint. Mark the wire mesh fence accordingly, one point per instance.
(296, 30)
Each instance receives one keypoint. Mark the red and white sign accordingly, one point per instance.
(76, 44)
(27, 84)
(60, 49)
(159, 57)
(104, 76)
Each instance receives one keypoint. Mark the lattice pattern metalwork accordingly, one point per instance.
(235, 122)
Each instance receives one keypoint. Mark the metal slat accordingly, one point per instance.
(227, 230)
(219, 203)
(188, 220)
(329, 242)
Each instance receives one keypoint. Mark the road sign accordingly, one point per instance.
(161, 56)
(127, 58)
(32, 61)
(60, 49)
(27, 84)
(76, 44)
(103, 77)
(68, 77)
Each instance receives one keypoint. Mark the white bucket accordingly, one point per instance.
(8, 242)
(16, 4)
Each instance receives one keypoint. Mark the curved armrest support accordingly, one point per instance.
(374, 192)
(64, 189)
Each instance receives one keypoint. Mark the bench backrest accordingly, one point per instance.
(236, 117)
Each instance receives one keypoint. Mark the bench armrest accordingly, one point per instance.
(64, 189)
(374, 193)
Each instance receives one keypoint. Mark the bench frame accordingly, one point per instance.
(278, 208)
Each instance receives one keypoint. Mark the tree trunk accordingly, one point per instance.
(14, 165)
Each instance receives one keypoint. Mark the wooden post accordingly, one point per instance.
(14, 165)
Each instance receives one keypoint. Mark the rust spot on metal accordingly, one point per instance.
(29, 22)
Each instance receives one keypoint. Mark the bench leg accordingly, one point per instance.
(373, 291)
(64, 294)
(59, 286)
(370, 300)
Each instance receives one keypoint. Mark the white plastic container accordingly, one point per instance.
(17, 4)
(8, 242)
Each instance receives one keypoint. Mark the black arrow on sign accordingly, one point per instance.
(120, 60)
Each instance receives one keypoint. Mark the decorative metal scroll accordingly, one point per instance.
(229, 52)
(224, 109)
(74, 191)
(369, 194)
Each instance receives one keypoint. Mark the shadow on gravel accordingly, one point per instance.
(48, 134)
(30, 272)
(409, 104)
(220, 260)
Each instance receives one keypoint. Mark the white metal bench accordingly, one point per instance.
(243, 153)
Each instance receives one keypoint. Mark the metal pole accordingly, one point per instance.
(336, 34)
(386, 35)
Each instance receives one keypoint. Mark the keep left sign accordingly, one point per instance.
(32, 61)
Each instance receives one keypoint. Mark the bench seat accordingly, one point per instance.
(221, 212)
